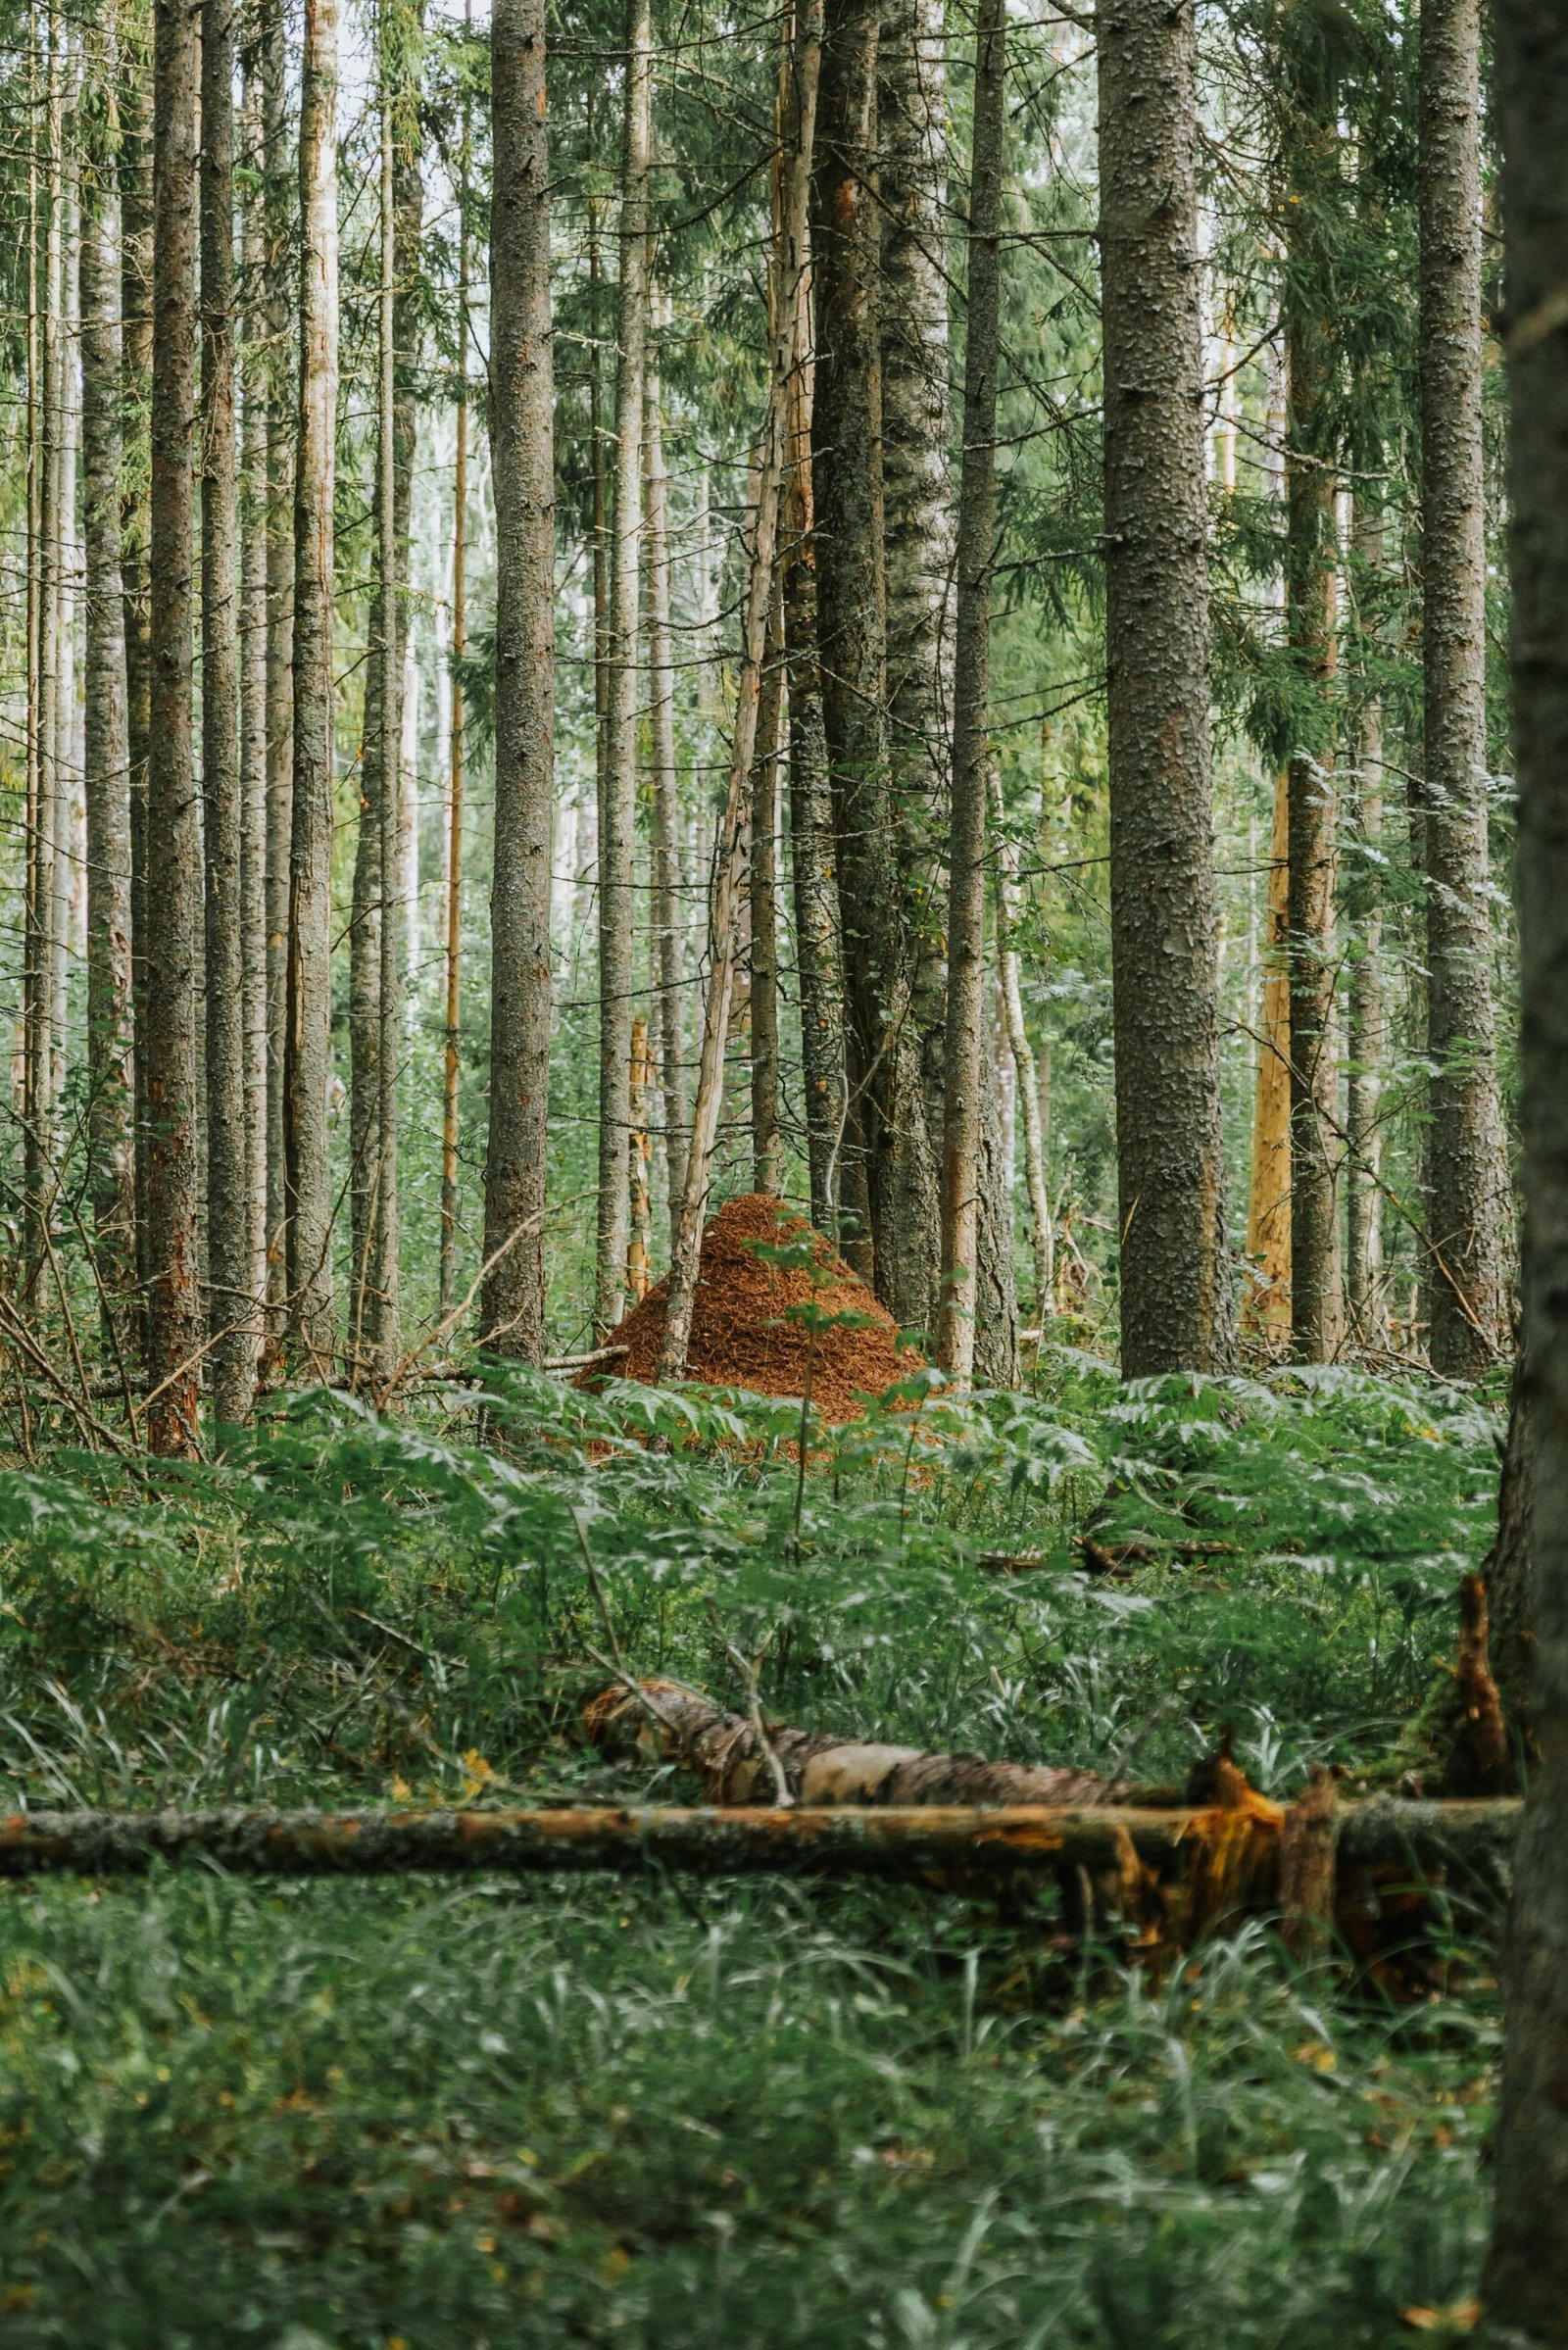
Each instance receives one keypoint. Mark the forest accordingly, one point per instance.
(784, 1196)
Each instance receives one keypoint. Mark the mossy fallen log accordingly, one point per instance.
(936, 1843)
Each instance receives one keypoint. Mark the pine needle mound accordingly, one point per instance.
(743, 1333)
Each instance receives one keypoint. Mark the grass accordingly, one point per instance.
(396, 2112)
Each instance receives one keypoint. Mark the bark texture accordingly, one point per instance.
(308, 1041)
(136, 341)
(1266, 1307)
(667, 805)
(617, 810)
(1175, 1278)
(966, 1070)
(228, 1234)
(1368, 1033)
(1467, 1186)
(1525, 2283)
(762, 885)
(280, 453)
(522, 457)
(107, 780)
(174, 879)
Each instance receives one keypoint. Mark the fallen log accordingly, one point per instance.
(932, 1844)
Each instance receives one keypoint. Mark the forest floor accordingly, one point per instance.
(423, 2116)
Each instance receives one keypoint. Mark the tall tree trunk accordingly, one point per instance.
(818, 944)
(617, 812)
(307, 1057)
(767, 1134)
(1028, 1074)
(757, 599)
(889, 1192)
(1368, 1019)
(965, 1069)
(281, 427)
(107, 780)
(451, 1058)
(1467, 1192)
(919, 503)
(1311, 576)
(253, 695)
(41, 1145)
(136, 342)
(1175, 1277)
(1267, 1303)
(1525, 2278)
(229, 1235)
(667, 804)
(522, 451)
(173, 873)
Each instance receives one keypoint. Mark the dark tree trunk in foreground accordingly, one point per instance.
(173, 872)
(106, 781)
(523, 389)
(618, 810)
(1175, 1281)
(1508, 1567)
(308, 1042)
(1525, 2278)
(888, 1193)
(1467, 1182)
(228, 1239)
(1310, 588)
(965, 1059)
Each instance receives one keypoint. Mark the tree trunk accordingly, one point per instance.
(1525, 2278)
(41, 1141)
(617, 812)
(667, 805)
(767, 1136)
(1029, 1078)
(1364, 1288)
(1175, 1276)
(818, 943)
(919, 538)
(451, 1058)
(107, 780)
(136, 343)
(308, 1042)
(790, 267)
(1267, 1300)
(522, 399)
(173, 871)
(253, 694)
(889, 1188)
(229, 1235)
(965, 1060)
(1467, 1195)
(281, 428)
(1509, 1563)
(1310, 573)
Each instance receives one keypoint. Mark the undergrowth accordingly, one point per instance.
(674, 2113)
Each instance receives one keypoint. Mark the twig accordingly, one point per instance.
(747, 1669)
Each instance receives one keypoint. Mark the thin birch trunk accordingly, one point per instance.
(666, 802)
(107, 777)
(281, 427)
(308, 1042)
(40, 1153)
(617, 812)
(964, 1060)
(136, 340)
(174, 857)
(228, 1223)
(453, 911)
(523, 468)
(1365, 1291)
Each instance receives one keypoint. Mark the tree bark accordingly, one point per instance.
(1364, 1288)
(456, 749)
(136, 343)
(228, 1235)
(767, 1134)
(964, 1060)
(1175, 1278)
(106, 781)
(886, 1174)
(281, 427)
(522, 399)
(253, 688)
(174, 874)
(1311, 576)
(1026, 1071)
(1266, 1304)
(617, 812)
(40, 1155)
(308, 1042)
(667, 805)
(1467, 1191)
(818, 942)
(1525, 2283)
